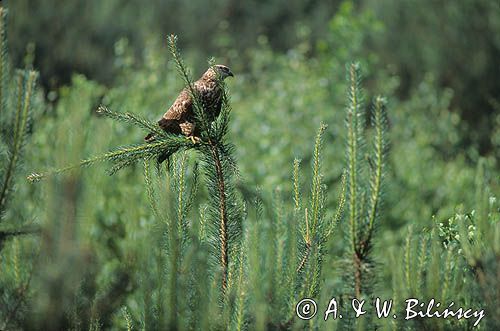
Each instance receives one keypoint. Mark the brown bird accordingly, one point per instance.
(179, 118)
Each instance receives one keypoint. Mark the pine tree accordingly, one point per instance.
(365, 172)
(215, 154)
(17, 93)
(16, 103)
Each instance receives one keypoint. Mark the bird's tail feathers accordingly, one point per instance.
(165, 156)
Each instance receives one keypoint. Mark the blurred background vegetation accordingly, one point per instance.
(437, 61)
(456, 41)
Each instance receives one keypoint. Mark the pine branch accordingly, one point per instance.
(379, 147)
(353, 152)
(340, 207)
(316, 189)
(6, 234)
(307, 241)
(21, 297)
(4, 68)
(407, 259)
(128, 318)
(311, 227)
(296, 191)
(353, 115)
(123, 156)
(20, 93)
(22, 116)
(240, 304)
(132, 119)
(357, 274)
(150, 191)
(223, 232)
(422, 265)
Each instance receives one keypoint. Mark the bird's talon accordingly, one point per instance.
(194, 139)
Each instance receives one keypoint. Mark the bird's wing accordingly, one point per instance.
(177, 113)
(181, 106)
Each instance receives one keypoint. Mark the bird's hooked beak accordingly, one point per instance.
(230, 73)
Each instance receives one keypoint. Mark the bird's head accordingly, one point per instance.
(218, 70)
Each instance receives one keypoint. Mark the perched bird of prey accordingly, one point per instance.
(179, 118)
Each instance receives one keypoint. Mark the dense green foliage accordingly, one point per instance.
(456, 41)
(325, 193)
